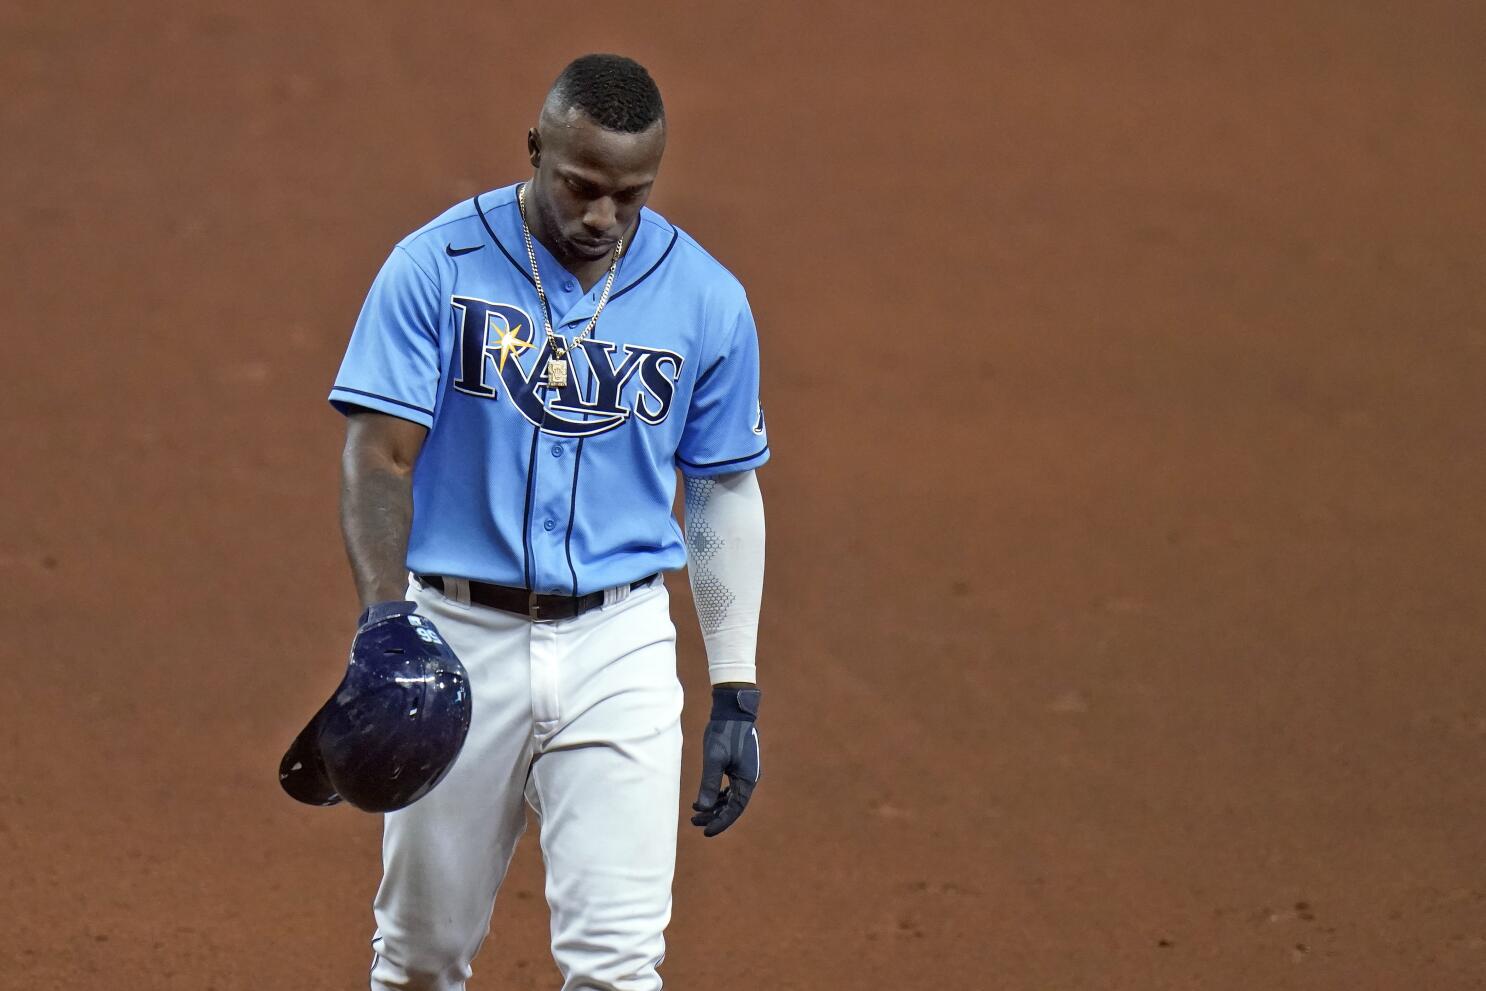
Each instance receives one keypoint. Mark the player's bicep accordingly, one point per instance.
(373, 437)
(392, 363)
(725, 430)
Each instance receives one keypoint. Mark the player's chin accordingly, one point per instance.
(590, 250)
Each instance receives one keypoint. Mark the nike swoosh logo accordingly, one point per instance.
(454, 252)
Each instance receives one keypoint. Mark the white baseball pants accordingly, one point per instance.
(580, 719)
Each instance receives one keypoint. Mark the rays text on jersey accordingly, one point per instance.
(496, 347)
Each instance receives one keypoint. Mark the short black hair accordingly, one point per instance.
(613, 91)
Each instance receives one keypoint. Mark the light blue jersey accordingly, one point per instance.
(563, 490)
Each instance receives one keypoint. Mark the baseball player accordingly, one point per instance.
(527, 375)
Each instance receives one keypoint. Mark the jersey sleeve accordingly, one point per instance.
(392, 363)
(725, 429)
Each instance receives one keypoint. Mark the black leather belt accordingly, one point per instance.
(524, 602)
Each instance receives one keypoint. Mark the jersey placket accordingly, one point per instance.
(557, 464)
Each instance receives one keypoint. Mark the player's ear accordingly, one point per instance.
(534, 147)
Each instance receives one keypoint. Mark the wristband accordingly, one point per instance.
(379, 611)
(736, 703)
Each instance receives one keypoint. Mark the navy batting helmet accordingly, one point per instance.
(392, 729)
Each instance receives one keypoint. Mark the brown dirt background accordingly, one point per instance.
(1124, 364)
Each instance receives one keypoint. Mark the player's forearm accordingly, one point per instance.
(376, 516)
(725, 550)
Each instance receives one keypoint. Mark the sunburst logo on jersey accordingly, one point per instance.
(510, 343)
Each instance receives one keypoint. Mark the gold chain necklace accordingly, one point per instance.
(557, 365)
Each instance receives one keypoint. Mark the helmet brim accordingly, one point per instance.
(302, 772)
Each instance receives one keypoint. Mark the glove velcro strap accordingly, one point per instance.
(736, 703)
(377, 612)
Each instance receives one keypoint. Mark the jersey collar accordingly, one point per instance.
(652, 244)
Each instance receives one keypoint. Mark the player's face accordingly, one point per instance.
(591, 183)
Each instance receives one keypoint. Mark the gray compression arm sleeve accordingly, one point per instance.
(725, 560)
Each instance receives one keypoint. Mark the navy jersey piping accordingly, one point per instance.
(531, 477)
(480, 212)
(651, 270)
(573, 515)
(385, 399)
(491, 231)
(719, 464)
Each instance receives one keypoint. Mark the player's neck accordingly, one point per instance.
(589, 273)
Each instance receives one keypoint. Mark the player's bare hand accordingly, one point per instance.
(730, 747)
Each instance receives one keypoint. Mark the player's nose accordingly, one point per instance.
(600, 216)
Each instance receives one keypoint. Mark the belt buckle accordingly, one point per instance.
(534, 608)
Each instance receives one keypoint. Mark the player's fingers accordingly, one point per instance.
(707, 795)
(705, 815)
(723, 819)
(737, 801)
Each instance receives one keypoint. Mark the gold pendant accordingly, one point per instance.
(557, 372)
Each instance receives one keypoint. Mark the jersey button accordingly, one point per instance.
(569, 285)
(548, 525)
(557, 450)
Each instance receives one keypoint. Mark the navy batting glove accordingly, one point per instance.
(379, 611)
(729, 746)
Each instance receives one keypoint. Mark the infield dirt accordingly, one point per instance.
(1124, 363)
